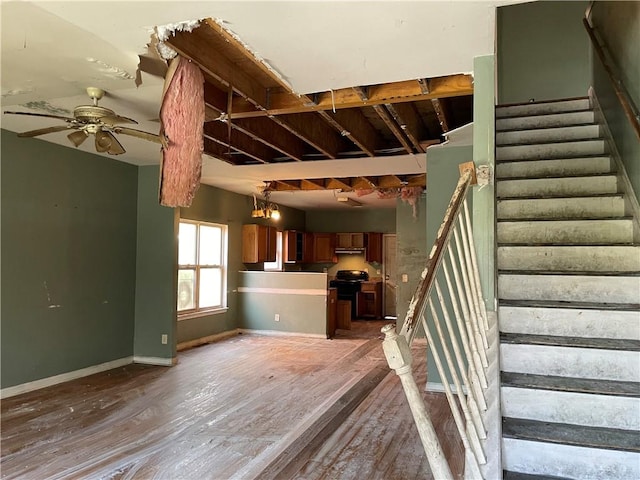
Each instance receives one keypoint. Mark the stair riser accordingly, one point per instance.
(544, 121)
(568, 461)
(571, 362)
(546, 135)
(569, 322)
(551, 150)
(586, 207)
(582, 232)
(570, 258)
(569, 288)
(543, 108)
(554, 168)
(569, 186)
(592, 410)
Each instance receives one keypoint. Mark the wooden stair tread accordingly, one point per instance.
(574, 273)
(507, 475)
(570, 384)
(585, 156)
(577, 435)
(561, 196)
(572, 305)
(557, 177)
(577, 342)
(544, 102)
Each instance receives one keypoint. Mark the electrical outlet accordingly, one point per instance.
(164, 339)
(378, 272)
(405, 278)
(277, 317)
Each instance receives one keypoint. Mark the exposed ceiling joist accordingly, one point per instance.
(349, 184)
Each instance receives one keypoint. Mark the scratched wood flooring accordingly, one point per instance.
(228, 410)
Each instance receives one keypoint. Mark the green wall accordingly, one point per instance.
(155, 271)
(543, 51)
(352, 220)
(220, 206)
(442, 178)
(618, 23)
(484, 217)
(68, 259)
(299, 298)
(412, 250)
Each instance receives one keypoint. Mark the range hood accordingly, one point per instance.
(349, 250)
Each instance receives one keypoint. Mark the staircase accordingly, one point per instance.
(569, 293)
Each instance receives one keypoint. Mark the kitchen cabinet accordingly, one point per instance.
(258, 243)
(324, 245)
(373, 244)
(349, 240)
(293, 243)
(369, 303)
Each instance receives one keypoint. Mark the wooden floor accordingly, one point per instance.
(236, 409)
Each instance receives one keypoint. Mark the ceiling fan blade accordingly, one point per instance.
(78, 137)
(103, 141)
(138, 133)
(115, 119)
(116, 147)
(66, 119)
(42, 131)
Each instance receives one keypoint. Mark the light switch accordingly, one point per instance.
(405, 278)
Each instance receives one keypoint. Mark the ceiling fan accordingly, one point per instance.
(93, 120)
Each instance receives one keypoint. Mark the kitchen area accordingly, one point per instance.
(326, 280)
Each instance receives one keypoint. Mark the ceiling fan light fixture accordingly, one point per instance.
(78, 137)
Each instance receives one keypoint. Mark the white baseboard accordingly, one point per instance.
(279, 333)
(161, 362)
(63, 377)
(208, 339)
(439, 387)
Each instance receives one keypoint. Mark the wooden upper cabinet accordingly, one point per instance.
(324, 245)
(349, 240)
(373, 244)
(293, 246)
(258, 243)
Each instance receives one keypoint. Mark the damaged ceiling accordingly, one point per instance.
(253, 116)
(338, 93)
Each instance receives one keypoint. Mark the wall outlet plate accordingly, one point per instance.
(277, 317)
(164, 339)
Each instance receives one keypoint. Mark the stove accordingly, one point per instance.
(348, 283)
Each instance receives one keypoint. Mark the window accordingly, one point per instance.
(277, 265)
(202, 267)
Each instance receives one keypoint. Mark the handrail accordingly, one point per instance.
(465, 331)
(623, 98)
(435, 256)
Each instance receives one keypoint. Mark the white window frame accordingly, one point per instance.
(197, 311)
(277, 265)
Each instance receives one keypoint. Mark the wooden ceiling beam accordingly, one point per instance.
(338, 184)
(389, 181)
(312, 129)
(396, 92)
(406, 116)
(388, 119)
(273, 135)
(363, 183)
(213, 62)
(312, 184)
(240, 141)
(221, 152)
(441, 111)
(285, 185)
(353, 125)
(417, 180)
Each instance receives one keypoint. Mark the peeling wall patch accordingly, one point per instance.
(111, 71)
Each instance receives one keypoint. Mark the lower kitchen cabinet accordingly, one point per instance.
(370, 300)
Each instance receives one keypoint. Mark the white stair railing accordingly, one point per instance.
(459, 319)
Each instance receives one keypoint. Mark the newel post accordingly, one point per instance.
(398, 355)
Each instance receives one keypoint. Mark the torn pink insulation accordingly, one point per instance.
(182, 119)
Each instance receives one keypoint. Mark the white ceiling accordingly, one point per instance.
(51, 51)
